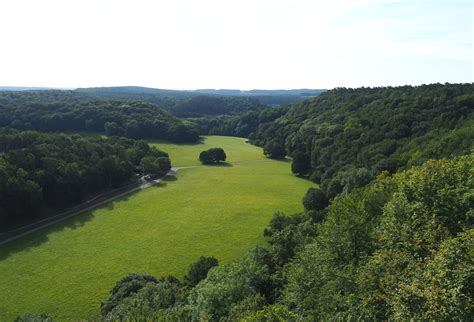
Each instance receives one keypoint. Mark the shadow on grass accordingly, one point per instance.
(284, 160)
(219, 164)
(198, 142)
(37, 238)
(170, 178)
(306, 178)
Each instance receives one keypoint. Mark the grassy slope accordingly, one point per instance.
(220, 211)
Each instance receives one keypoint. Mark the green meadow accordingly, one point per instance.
(67, 269)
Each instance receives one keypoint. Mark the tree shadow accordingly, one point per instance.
(37, 238)
(306, 178)
(219, 164)
(198, 142)
(285, 159)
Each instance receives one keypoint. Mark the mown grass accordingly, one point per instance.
(188, 154)
(67, 269)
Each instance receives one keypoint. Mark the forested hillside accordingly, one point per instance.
(40, 171)
(68, 111)
(398, 249)
(214, 105)
(169, 98)
(345, 137)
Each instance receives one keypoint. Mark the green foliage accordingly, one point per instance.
(55, 111)
(127, 286)
(315, 199)
(213, 155)
(274, 313)
(198, 270)
(139, 297)
(155, 166)
(300, 164)
(274, 150)
(39, 171)
(214, 105)
(226, 287)
(382, 251)
(241, 125)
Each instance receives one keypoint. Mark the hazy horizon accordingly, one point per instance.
(187, 45)
(211, 89)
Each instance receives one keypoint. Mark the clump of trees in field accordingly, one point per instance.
(39, 170)
(213, 155)
(397, 249)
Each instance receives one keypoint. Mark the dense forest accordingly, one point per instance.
(40, 171)
(241, 125)
(68, 111)
(397, 249)
(345, 137)
(215, 105)
(170, 98)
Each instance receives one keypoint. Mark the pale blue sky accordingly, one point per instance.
(187, 44)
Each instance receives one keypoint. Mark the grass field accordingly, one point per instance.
(67, 269)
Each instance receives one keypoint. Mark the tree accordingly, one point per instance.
(198, 270)
(128, 285)
(315, 199)
(113, 129)
(301, 164)
(354, 178)
(155, 167)
(227, 286)
(214, 155)
(274, 150)
(205, 157)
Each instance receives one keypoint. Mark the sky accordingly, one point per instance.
(244, 44)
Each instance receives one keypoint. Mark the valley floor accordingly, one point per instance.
(221, 211)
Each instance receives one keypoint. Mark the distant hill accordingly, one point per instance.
(184, 103)
(197, 92)
(215, 105)
(135, 90)
(259, 92)
(165, 97)
(18, 88)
